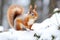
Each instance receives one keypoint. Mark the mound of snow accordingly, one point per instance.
(48, 28)
(17, 35)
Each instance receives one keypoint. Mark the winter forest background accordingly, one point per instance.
(44, 8)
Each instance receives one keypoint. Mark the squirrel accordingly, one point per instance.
(20, 21)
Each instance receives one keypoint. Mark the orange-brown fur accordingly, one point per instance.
(11, 14)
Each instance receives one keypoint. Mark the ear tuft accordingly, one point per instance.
(35, 6)
(30, 6)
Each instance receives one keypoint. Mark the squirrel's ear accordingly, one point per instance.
(35, 6)
(30, 7)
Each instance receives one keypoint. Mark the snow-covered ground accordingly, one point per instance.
(49, 29)
(17, 35)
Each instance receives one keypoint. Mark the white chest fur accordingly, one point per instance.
(31, 21)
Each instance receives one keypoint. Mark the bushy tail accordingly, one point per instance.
(12, 13)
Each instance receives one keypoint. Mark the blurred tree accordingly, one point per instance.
(52, 5)
(39, 4)
(32, 2)
(45, 9)
(1, 11)
(58, 3)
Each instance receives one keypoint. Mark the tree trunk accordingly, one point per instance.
(52, 5)
(0, 12)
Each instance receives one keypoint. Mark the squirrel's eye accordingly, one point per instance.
(32, 14)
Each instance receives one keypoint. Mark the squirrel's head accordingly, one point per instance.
(32, 12)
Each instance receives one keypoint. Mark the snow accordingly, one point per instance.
(56, 9)
(17, 35)
(1, 28)
(47, 30)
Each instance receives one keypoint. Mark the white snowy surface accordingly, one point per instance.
(48, 28)
(1, 28)
(56, 9)
(17, 35)
(45, 30)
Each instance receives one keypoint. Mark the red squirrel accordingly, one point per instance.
(20, 21)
